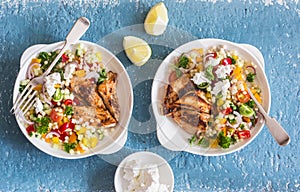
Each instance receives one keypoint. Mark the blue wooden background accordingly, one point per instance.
(270, 25)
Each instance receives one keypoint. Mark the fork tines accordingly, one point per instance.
(24, 101)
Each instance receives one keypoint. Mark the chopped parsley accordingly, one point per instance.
(203, 142)
(251, 103)
(69, 146)
(21, 88)
(43, 124)
(49, 57)
(193, 139)
(103, 76)
(225, 141)
(183, 62)
(250, 77)
(69, 110)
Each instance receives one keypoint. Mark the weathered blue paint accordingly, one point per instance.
(272, 26)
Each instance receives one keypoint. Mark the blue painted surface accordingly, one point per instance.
(272, 26)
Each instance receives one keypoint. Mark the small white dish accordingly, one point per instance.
(110, 144)
(174, 138)
(165, 171)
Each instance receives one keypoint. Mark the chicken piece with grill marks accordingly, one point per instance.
(108, 92)
(95, 112)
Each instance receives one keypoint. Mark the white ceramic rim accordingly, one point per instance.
(163, 167)
(178, 141)
(111, 145)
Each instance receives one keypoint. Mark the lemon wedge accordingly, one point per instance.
(137, 50)
(156, 20)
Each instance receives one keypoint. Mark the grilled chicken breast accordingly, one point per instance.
(108, 92)
(187, 105)
(101, 118)
(92, 108)
(190, 120)
(175, 90)
(191, 100)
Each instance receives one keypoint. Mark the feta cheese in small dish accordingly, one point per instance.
(143, 178)
(144, 172)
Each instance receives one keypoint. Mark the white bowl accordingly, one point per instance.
(165, 171)
(169, 133)
(110, 143)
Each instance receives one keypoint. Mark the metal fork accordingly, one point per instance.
(276, 130)
(27, 98)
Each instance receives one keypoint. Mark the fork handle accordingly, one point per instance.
(277, 131)
(78, 29)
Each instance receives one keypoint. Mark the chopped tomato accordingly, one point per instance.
(53, 103)
(68, 102)
(64, 58)
(226, 61)
(65, 126)
(63, 136)
(227, 111)
(243, 96)
(56, 116)
(245, 134)
(30, 129)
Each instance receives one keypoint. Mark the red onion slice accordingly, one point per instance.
(29, 73)
(51, 133)
(252, 68)
(25, 119)
(238, 119)
(48, 101)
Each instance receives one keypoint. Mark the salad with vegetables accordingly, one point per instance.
(223, 77)
(52, 117)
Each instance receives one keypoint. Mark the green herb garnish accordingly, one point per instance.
(103, 76)
(183, 62)
(69, 146)
(250, 77)
(192, 140)
(43, 124)
(209, 73)
(225, 141)
(49, 57)
(69, 110)
(204, 142)
(233, 61)
(251, 103)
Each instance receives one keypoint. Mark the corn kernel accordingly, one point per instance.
(80, 73)
(39, 87)
(55, 140)
(36, 60)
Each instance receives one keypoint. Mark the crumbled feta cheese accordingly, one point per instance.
(221, 86)
(51, 80)
(200, 78)
(69, 70)
(38, 106)
(143, 178)
(223, 71)
(213, 62)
